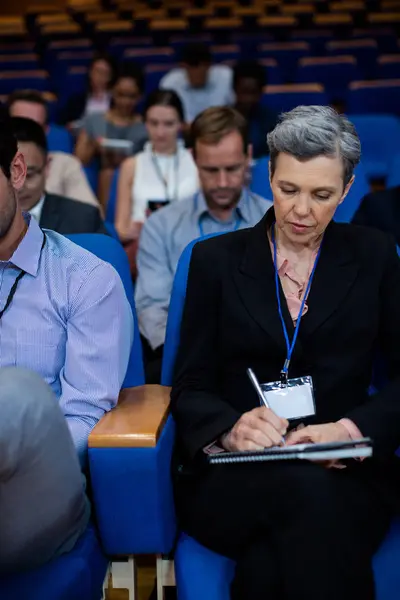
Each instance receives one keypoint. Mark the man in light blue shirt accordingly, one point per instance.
(221, 153)
(66, 332)
(199, 84)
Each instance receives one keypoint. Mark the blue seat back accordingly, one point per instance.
(59, 139)
(112, 198)
(177, 302)
(374, 97)
(111, 251)
(393, 178)
(378, 135)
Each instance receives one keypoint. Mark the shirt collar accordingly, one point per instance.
(36, 211)
(26, 256)
(242, 208)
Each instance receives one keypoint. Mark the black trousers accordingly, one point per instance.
(297, 531)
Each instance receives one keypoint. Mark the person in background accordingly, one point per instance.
(220, 149)
(198, 83)
(96, 98)
(50, 211)
(249, 79)
(298, 530)
(65, 176)
(163, 173)
(66, 337)
(118, 133)
(381, 210)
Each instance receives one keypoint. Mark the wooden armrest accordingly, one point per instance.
(137, 420)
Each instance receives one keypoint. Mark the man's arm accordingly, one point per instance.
(155, 279)
(99, 341)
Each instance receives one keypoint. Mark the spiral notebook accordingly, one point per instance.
(361, 448)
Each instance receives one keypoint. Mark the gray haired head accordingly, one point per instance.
(310, 131)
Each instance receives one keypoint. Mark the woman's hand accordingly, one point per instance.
(319, 434)
(255, 430)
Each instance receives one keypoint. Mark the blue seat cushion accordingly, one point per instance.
(78, 575)
(201, 573)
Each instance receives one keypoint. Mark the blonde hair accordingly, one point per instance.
(214, 123)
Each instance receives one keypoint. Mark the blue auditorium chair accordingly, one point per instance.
(225, 52)
(150, 55)
(79, 575)
(154, 74)
(379, 96)
(201, 573)
(333, 72)
(365, 51)
(19, 62)
(388, 67)
(344, 213)
(393, 179)
(379, 135)
(286, 53)
(112, 198)
(59, 139)
(23, 80)
(273, 71)
(282, 98)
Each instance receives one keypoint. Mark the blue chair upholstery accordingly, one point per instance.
(378, 135)
(201, 573)
(284, 98)
(112, 198)
(345, 211)
(59, 139)
(335, 73)
(393, 178)
(80, 573)
(23, 80)
(365, 97)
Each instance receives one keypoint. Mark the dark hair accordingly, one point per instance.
(31, 96)
(27, 130)
(165, 98)
(215, 123)
(132, 71)
(8, 142)
(109, 60)
(249, 69)
(195, 54)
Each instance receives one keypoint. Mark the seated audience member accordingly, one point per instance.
(51, 211)
(66, 336)
(301, 529)
(220, 148)
(198, 83)
(163, 173)
(119, 132)
(65, 176)
(249, 78)
(96, 98)
(381, 210)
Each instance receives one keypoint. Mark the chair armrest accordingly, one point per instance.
(136, 422)
(130, 452)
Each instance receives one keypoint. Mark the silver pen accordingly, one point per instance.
(259, 391)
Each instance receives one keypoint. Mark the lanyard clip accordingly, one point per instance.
(284, 373)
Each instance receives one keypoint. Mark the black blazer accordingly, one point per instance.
(231, 322)
(70, 216)
(381, 210)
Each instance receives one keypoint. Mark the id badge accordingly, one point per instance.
(293, 400)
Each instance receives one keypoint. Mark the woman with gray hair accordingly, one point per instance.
(306, 303)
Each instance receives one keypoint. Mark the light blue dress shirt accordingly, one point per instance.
(217, 91)
(71, 322)
(163, 238)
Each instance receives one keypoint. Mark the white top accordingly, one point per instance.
(99, 104)
(217, 91)
(175, 179)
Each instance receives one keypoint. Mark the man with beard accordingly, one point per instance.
(220, 149)
(66, 334)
